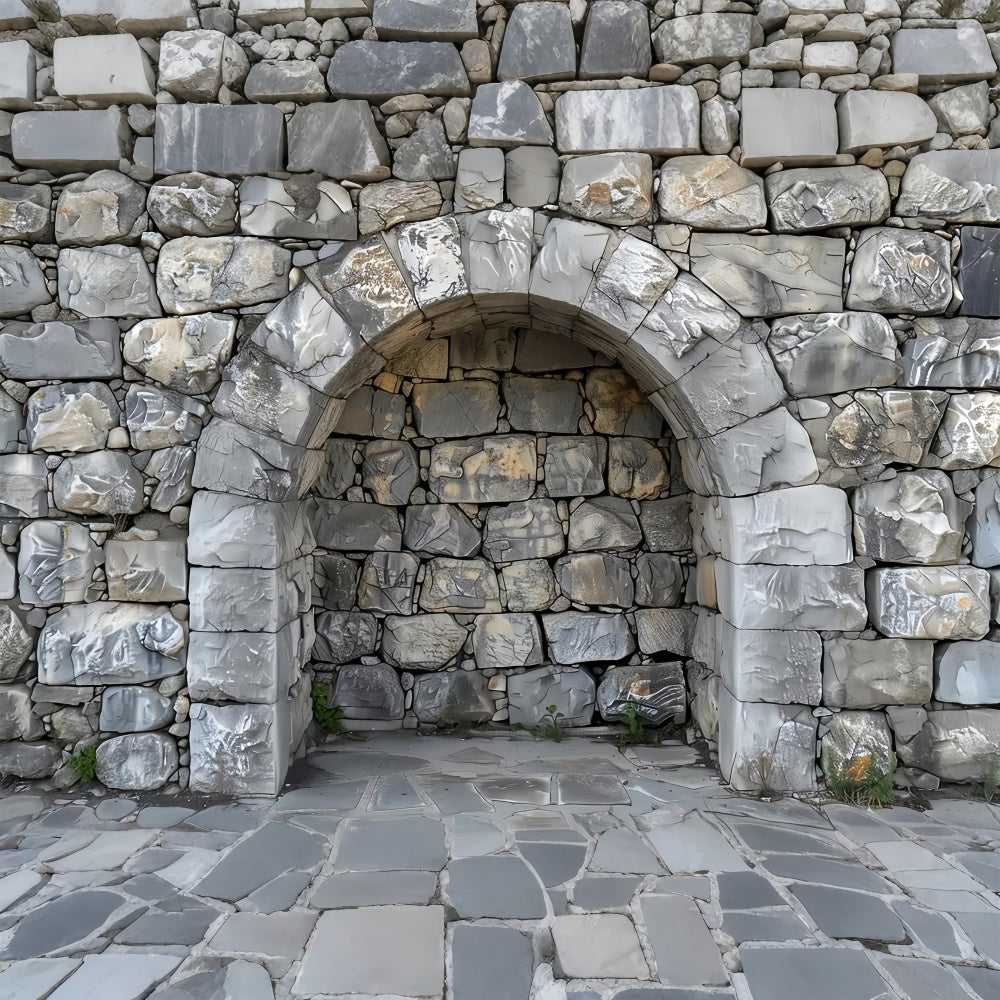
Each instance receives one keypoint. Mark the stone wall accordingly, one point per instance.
(219, 222)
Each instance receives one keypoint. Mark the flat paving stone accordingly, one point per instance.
(233, 818)
(605, 892)
(267, 853)
(153, 859)
(331, 795)
(838, 873)
(239, 980)
(529, 791)
(981, 865)
(490, 963)
(162, 817)
(555, 863)
(394, 791)
(19, 885)
(684, 950)
(273, 935)
(930, 929)
(391, 845)
(622, 851)
(985, 982)
(746, 891)
(595, 790)
(693, 845)
(472, 837)
(348, 951)
(983, 930)
(188, 927)
(35, 978)
(115, 809)
(501, 886)
(816, 973)
(598, 946)
(774, 925)
(105, 852)
(920, 979)
(453, 798)
(338, 892)
(775, 839)
(116, 977)
(841, 913)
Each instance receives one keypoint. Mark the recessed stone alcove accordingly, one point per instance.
(551, 572)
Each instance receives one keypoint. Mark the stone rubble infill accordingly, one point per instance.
(500, 867)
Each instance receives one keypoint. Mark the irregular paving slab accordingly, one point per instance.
(347, 953)
(239, 980)
(693, 845)
(500, 887)
(490, 963)
(555, 864)
(35, 977)
(684, 950)
(123, 977)
(840, 913)
(338, 892)
(820, 973)
(598, 946)
(389, 845)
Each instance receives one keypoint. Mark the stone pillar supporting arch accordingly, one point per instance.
(776, 555)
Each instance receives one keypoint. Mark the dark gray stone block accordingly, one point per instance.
(376, 71)
(978, 275)
(538, 44)
(490, 963)
(616, 41)
(500, 886)
(64, 141)
(840, 913)
(819, 973)
(441, 21)
(339, 140)
(391, 845)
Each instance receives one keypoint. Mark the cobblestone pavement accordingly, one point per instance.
(496, 868)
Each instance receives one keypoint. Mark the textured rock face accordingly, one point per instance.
(184, 353)
(766, 665)
(137, 762)
(966, 673)
(869, 673)
(950, 602)
(193, 204)
(656, 691)
(811, 199)
(23, 282)
(954, 744)
(380, 70)
(56, 563)
(856, 744)
(370, 692)
(452, 698)
(711, 192)
(609, 187)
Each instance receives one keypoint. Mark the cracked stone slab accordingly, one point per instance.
(954, 185)
(860, 673)
(811, 198)
(507, 115)
(598, 946)
(946, 602)
(711, 192)
(500, 887)
(684, 951)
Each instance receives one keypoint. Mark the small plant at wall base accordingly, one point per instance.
(83, 763)
(639, 731)
(861, 780)
(989, 785)
(330, 720)
(550, 727)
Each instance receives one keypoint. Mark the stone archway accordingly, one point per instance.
(775, 549)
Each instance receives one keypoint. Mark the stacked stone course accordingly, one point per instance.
(229, 230)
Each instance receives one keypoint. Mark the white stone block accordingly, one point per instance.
(104, 69)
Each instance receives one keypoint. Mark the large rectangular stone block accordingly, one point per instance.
(791, 597)
(869, 673)
(376, 71)
(248, 600)
(944, 56)
(930, 602)
(146, 571)
(782, 667)
(354, 526)
(659, 120)
(58, 350)
(797, 127)
(17, 75)
(955, 744)
(956, 185)
(23, 486)
(478, 470)
(252, 667)
(231, 140)
(140, 17)
(81, 70)
(67, 141)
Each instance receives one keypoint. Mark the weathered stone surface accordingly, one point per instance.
(507, 640)
(869, 119)
(832, 352)
(303, 207)
(382, 206)
(23, 486)
(528, 585)
(546, 405)
(183, 353)
(80, 70)
(507, 115)
(391, 471)
(339, 140)
(251, 667)
(656, 120)
(376, 71)
(711, 192)
(146, 571)
(369, 691)
(586, 637)
(967, 673)
(963, 110)
(794, 126)
(899, 270)
(955, 745)
(16, 642)
(24, 212)
(100, 482)
(615, 188)
(193, 204)
(55, 563)
(198, 275)
(14, 16)
(494, 470)
(866, 673)
(452, 698)
(791, 597)
(355, 527)
(134, 710)
(956, 185)
(914, 518)
(538, 44)
(812, 198)
(29, 760)
(444, 20)
(637, 469)
(894, 425)
(387, 582)
(596, 578)
(984, 526)
(573, 692)
(158, 418)
(194, 65)
(422, 642)
(771, 275)
(137, 762)
(977, 274)
(232, 140)
(528, 530)
(106, 207)
(604, 523)
(944, 55)
(22, 280)
(64, 141)
(532, 176)
(615, 41)
(856, 744)
(479, 179)
(969, 435)
(574, 466)
(247, 600)
(133, 16)
(455, 409)
(440, 530)
(171, 468)
(659, 580)
(460, 585)
(17, 722)
(767, 665)
(656, 692)
(947, 602)
(336, 581)
(271, 81)
(425, 155)
(107, 281)
(343, 636)
(707, 38)
(71, 417)
(110, 643)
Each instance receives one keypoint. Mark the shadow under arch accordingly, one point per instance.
(705, 368)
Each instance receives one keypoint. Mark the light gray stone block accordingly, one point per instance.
(857, 744)
(388, 580)
(460, 585)
(81, 70)
(954, 744)
(586, 637)
(110, 643)
(914, 518)
(716, 39)
(340, 140)
(66, 141)
(507, 114)
(615, 41)
(136, 16)
(507, 640)
(900, 270)
(369, 692)
(772, 275)
(232, 140)
(71, 417)
(452, 698)
(869, 119)
(23, 486)
(246, 600)
(791, 597)
(23, 281)
(425, 155)
(254, 667)
(944, 55)
(951, 353)
(527, 530)
(614, 188)
(967, 673)
(422, 642)
(657, 120)
(968, 436)
(193, 204)
(532, 176)
(984, 525)
(158, 418)
(711, 192)
(604, 523)
(596, 578)
(659, 580)
(106, 207)
(655, 691)
(538, 44)
(768, 665)
(272, 81)
(495, 470)
(440, 530)
(17, 642)
(443, 21)
(194, 65)
(303, 207)
(24, 212)
(528, 585)
(376, 71)
(183, 353)
(146, 571)
(14, 16)
(572, 691)
(134, 710)
(100, 482)
(811, 198)
(797, 127)
(55, 563)
(869, 673)
(945, 602)
(956, 185)
(107, 281)
(137, 762)
(479, 179)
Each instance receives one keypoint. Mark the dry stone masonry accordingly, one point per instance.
(479, 356)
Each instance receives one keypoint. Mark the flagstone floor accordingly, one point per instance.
(496, 868)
